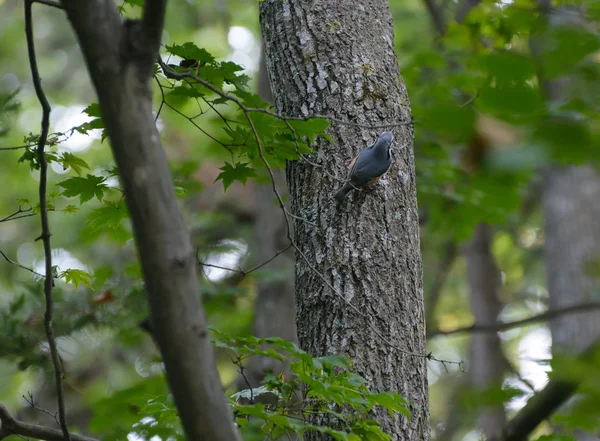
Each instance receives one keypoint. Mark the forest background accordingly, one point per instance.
(504, 98)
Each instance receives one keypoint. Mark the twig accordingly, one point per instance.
(496, 327)
(246, 272)
(239, 364)
(16, 213)
(18, 147)
(31, 402)
(12, 426)
(45, 236)
(19, 265)
(182, 75)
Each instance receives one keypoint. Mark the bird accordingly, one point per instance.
(369, 165)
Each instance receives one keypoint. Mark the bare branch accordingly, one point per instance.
(9, 260)
(18, 147)
(45, 236)
(496, 327)
(11, 426)
(246, 272)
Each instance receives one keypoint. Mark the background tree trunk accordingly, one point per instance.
(572, 218)
(486, 362)
(572, 229)
(337, 58)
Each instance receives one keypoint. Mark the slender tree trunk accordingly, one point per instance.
(337, 58)
(572, 217)
(572, 229)
(486, 363)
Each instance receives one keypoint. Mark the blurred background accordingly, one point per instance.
(505, 96)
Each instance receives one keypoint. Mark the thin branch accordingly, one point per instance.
(15, 215)
(496, 327)
(170, 73)
(31, 402)
(246, 272)
(11, 426)
(9, 260)
(18, 147)
(45, 236)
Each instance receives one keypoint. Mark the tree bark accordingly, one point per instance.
(572, 229)
(337, 58)
(487, 363)
(120, 58)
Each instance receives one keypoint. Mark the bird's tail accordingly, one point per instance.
(342, 192)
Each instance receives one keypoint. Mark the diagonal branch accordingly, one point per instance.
(45, 236)
(543, 404)
(496, 327)
(12, 426)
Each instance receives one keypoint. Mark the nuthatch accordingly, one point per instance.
(369, 165)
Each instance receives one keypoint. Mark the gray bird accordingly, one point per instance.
(370, 164)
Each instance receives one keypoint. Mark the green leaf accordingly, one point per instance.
(70, 160)
(86, 188)
(109, 217)
(93, 110)
(190, 51)
(70, 209)
(238, 172)
(76, 277)
(333, 360)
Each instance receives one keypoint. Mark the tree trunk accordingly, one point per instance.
(337, 58)
(572, 213)
(486, 360)
(120, 57)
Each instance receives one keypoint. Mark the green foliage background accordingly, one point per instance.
(484, 126)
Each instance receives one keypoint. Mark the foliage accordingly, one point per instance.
(322, 394)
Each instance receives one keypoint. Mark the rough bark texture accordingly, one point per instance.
(486, 363)
(120, 58)
(572, 229)
(338, 59)
(275, 309)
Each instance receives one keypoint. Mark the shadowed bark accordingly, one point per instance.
(337, 59)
